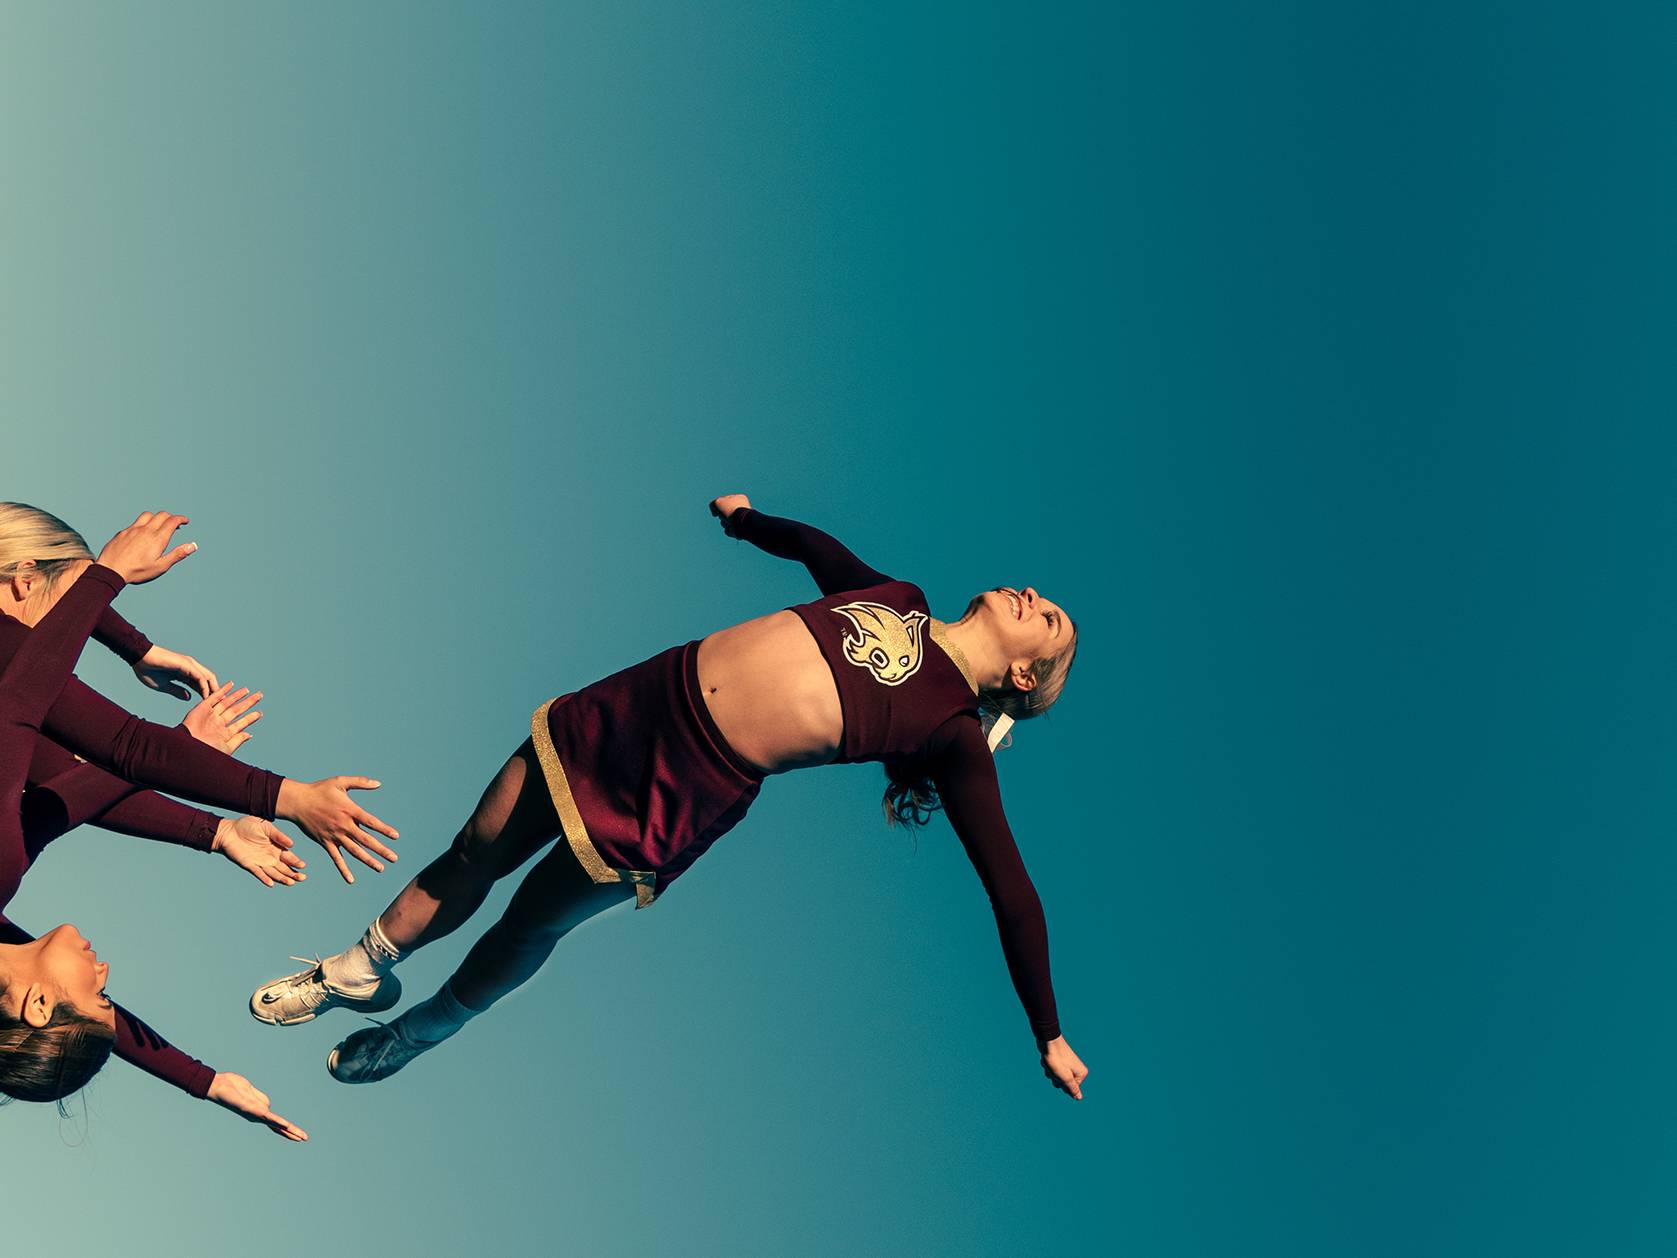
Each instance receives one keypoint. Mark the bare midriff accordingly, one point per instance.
(771, 693)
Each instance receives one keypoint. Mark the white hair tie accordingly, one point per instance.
(998, 730)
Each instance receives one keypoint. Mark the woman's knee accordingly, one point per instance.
(474, 850)
(493, 843)
(466, 863)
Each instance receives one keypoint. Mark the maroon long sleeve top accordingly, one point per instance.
(34, 673)
(65, 792)
(903, 701)
(164, 757)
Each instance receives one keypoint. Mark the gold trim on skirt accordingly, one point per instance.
(570, 817)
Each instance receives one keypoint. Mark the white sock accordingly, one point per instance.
(364, 962)
(435, 1019)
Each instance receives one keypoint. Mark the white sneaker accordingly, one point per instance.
(373, 1053)
(304, 996)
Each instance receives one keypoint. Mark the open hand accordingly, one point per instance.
(137, 554)
(244, 1098)
(335, 821)
(261, 849)
(174, 674)
(222, 719)
(1063, 1068)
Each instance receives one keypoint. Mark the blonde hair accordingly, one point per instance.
(1050, 673)
(28, 533)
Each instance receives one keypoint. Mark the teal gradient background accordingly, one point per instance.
(1315, 356)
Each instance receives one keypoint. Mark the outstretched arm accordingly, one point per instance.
(81, 795)
(834, 568)
(158, 668)
(120, 638)
(139, 1045)
(964, 773)
(39, 668)
(171, 759)
(65, 793)
(166, 758)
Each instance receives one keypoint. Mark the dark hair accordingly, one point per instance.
(51, 1062)
(910, 797)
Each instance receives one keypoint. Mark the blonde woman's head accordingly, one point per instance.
(37, 549)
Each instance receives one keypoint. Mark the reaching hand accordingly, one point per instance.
(1063, 1068)
(136, 554)
(220, 721)
(174, 674)
(244, 1098)
(726, 505)
(335, 821)
(260, 848)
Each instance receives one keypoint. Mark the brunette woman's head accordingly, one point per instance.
(57, 1027)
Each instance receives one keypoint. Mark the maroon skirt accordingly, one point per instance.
(641, 778)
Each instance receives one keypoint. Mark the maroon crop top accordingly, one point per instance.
(896, 684)
(906, 698)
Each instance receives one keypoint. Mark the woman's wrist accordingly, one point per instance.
(289, 800)
(223, 832)
(105, 573)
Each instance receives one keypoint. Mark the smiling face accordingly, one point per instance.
(1029, 626)
(59, 967)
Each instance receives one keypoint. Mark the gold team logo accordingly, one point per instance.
(883, 640)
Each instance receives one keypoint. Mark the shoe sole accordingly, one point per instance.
(332, 1069)
(388, 995)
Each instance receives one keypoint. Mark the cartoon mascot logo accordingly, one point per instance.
(884, 641)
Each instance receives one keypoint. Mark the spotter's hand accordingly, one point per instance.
(261, 849)
(137, 554)
(174, 674)
(332, 819)
(222, 719)
(249, 1102)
